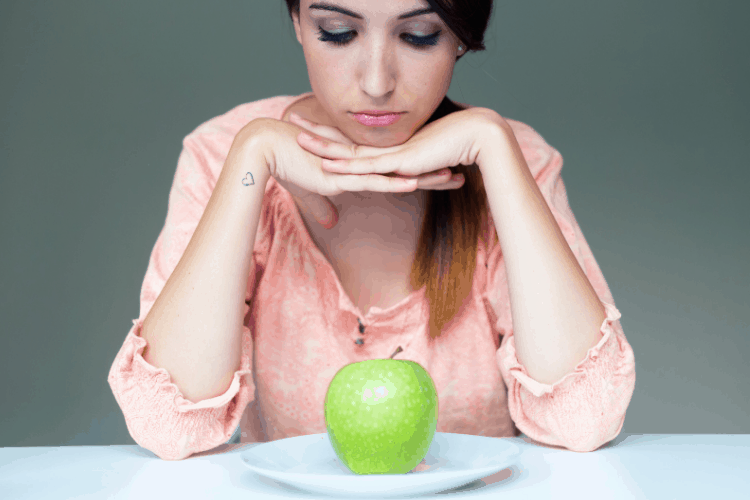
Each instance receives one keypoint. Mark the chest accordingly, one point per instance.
(374, 277)
(372, 261)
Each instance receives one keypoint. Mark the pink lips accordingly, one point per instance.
(377, 120)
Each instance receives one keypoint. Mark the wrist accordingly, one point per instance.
(252, 151)
(495, 144)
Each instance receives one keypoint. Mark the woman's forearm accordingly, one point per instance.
(194, 327)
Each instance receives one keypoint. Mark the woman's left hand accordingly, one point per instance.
(455, 139)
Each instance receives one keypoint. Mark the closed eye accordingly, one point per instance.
(341, 39)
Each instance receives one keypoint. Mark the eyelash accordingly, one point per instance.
(339, 39)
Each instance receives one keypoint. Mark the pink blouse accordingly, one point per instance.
(302, 327)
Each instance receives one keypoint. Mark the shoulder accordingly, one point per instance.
(527, 137)
(228, 124)
(208, 145)
(537, 152)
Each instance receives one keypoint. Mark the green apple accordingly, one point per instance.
(381, 415)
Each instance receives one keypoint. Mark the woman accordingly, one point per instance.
(342, 261)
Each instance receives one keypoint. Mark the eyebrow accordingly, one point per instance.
(335, 8)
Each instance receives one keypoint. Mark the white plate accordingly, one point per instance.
(309, 463)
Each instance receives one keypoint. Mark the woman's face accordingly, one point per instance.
(383, 63)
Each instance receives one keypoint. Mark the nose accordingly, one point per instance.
(378, 69)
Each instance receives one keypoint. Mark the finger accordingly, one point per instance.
(319, 146)
(325, 148)
(429, 178)
(436, 178)
(324, 131)
(456, 182)
(354, 158)
(439, 181)
(324, 211)
(373, 182)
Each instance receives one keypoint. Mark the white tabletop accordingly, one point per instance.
(651, 466)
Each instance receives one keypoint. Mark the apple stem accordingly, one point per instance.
(398, 350)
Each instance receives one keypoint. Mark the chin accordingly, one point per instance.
(379, 139)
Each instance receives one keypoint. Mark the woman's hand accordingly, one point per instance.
(449, 141)
(300, 173)
(440, 180)
(326, 212)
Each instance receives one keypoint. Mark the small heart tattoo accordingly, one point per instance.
(250, 182)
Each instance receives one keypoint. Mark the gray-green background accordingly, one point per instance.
(646, 100)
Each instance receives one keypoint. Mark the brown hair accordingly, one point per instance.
(446, 253)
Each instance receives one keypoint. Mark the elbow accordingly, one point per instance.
(586, 445)
(168, 456)
(169, 451)
(596, 437)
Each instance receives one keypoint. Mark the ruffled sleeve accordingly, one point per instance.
(158, 416)
(585, 408)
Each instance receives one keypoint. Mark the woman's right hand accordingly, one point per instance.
(300, 172)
